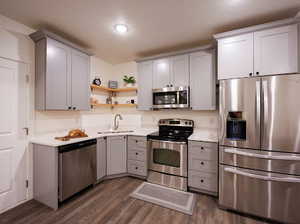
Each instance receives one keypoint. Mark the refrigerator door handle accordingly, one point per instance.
(264, 109)
(257, 104)
(262, 156)
(261, 177)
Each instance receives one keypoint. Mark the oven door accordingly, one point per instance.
(168, 157)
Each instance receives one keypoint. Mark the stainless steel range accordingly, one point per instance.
(168, 153)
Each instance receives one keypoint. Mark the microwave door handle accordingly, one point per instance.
(178, 97)
(261, 177)
(261, 156)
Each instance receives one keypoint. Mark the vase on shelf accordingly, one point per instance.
(128, 85)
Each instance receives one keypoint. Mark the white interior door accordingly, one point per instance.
(13, 114)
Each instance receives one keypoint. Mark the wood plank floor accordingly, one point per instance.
(109, 202)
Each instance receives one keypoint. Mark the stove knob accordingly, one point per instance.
(186, 122)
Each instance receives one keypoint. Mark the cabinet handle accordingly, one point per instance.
(250, 74)
(171, 85)
(69, 108)
(202, 163)
(257, 73)
(201, 181)
(202, 148)
(136, 153)
(136, 141)
(136, 168)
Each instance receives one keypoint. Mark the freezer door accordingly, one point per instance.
(279, 162)
(240, 95)
(259, 193)
(281, 113)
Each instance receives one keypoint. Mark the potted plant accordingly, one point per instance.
(129, 81)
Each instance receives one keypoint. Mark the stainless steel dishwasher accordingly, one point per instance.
(77, 167)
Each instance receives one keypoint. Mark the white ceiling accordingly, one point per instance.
(155, 26)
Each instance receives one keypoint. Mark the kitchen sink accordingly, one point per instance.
(114, 132)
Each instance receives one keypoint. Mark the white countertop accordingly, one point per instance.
(205, 135)
(48, 139)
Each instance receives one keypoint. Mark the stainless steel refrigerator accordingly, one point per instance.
(259, 137)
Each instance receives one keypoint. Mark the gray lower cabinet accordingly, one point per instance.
(62, 76)
(101, 158)
(203, 167)
(137, 156)
(116, 155)
(203, 80)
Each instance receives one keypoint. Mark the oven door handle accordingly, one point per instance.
(171, 142)
(261, 177)
(261, 156)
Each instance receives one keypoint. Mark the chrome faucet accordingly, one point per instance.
(116, 123)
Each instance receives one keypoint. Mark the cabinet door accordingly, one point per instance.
(276, 50)
(235, 56)
(58, 75)
(145, 73)
(180, 71)
(161, 73)
(101, 158)
(203, 80)
(80, 90)
(116, 155)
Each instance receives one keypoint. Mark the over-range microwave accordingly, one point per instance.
(171, 97)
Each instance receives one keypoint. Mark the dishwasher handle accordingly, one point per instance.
(77, 145)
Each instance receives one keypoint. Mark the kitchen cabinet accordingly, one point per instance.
(101, 158)
(265, 52)
(144, 95)
(203, 80)
(276, 50)
(137, 156)
(171, 72)
(62, 74)
(235, 56)
(203, 167)
(180, 70)
(161, 73)
(116, 155)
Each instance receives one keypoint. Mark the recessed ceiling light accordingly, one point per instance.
(121, 28)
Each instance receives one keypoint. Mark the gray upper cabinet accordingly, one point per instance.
(170, 72)
(145, 72)
(80, 80)
(101, 158)
(116, 155)
(180, 70)
(161, 73)
(62, 74)
(203, 80)
(57, 77)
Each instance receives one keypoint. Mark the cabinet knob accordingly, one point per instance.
(202, 147)
(201, 181)
(202, 163)
(257, 73)
(136, 168)
(171, 85)
(69, 108)
(136, 141)
(136, 153)
(250, 74)
(74, 108)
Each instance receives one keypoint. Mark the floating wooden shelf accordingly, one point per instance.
(103, 88)
(113, 105)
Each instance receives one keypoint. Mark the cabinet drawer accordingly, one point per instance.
(204, 181)
(202, 150)
(137, 155)
(137, 168)
(135, 142)
(202, 165)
